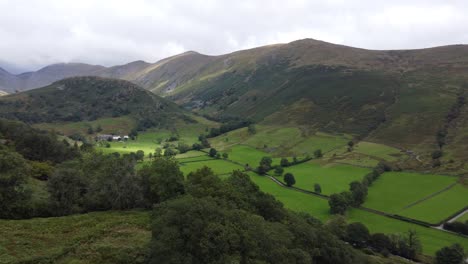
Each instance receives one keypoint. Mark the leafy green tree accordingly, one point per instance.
(98, 129)
(169, 152)
(436, 154)
(140, 155)
(266, 162)
(339, 202)
(284, 162)
(161, 180)
(150, 156)
(453, 254)
(68, 188)
(350, 143)
(197, 146)
(212, 152)
(289, 179)
(182, 147)
(90, 130)
(414, 244)
(225, 155)
(359, 192)
(279, 170)
(157, 152)
(380, 242)
(252, 129)
(337, 225)
(357, 235)
(318, 153)
(14, 195)
(317, 188)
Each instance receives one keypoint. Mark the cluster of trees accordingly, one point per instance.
(457, 227)
(357, 194)
(209, 220)
(453, 254)
(406, 245)
(229, 126)
(453, 113)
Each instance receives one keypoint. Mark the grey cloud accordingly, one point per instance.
(36, 33)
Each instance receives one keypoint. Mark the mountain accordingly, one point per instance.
(79, 99)
(404, 98)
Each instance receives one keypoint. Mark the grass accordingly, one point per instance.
(219, 167)
(439, 207)
(296, 201)
(325, 142)
(190, 154)
(100, 237)
(431, 239)
(249, 155)
(333, 178)
(395, 190)
(463, 218)
(377, 150)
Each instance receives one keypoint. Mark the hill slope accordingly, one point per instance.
(87, 99)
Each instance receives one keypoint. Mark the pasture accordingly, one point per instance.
(219, 167)
(395, 190)
(333, 178)
(378, 150)
(439, 207)
(431, 239)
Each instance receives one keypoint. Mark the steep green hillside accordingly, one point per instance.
(81, 99)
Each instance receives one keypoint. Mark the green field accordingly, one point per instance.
(439, 207)
(190, 154)
(219, 167)
(431, 239)
(333, 178)
(378, 150)
(296, 201)
(463, 218)
(395, 190)
(249, 155)
(100, 237)
(322, 141)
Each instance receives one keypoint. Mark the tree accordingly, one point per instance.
(318, 153)
(337, 225)
(161, 180)
(212, 152)
(279, 170)
(436, 154)
(14, 195)
(380, 242)
(284, 162)
(289, 179)
(67, 188)
(225, 155)
(252, 129)
(266, 161)
(150, 156)
(169, 152)
(350, 143)
(182, 147)
(90, 130)
(317, 188)
(414, 243)
(218, 155)
(359, 192)
(339, 202)
(133, 134)
(357, 234)
(140, 155)
(453, 254)
(197, 146)
(99, 128)
(157, 152)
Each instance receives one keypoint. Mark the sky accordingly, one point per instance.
(36, 33)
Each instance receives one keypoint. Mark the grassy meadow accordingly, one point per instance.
(333, 178)
(393, 191)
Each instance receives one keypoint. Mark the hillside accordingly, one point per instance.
(90, 98)
(397, 97)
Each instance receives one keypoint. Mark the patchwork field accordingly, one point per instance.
(333, 178)
(219, 167)
(439, 207)
(249, 155)
(393, 191)
(432, 239)
(100, 237)
(378, 150)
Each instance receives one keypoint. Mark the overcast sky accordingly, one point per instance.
(35, 33)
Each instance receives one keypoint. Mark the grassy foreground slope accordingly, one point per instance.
(102, 237)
